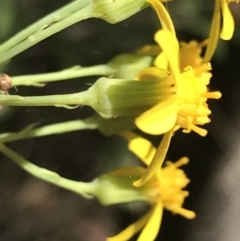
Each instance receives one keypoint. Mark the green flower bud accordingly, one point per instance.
(117, 187)
(127, 66)
(116, 97)
(114, 11)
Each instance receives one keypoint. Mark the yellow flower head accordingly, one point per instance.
(184, 79)
(186, 92)
(164, 190)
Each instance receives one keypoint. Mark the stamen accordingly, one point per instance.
(185, 213)
(203, 68)
(204, 43)
(200, 131)
(181, 162)
(212, 95)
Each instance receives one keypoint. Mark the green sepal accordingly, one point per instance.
(113, 98)
(117, 187)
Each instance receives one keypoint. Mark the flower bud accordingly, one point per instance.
(114, 11)
(117, 187)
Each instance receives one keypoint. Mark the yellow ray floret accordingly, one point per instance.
(163, 15)
(228, 22)
(221, 9)
(151, 156)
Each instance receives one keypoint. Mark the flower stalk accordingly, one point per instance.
(109, 189)
(52, 129)
(124, 66)
(105, 126)
(40, 80)
(66, 16)
(80, 188)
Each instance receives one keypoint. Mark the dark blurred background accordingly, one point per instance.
(31, 209)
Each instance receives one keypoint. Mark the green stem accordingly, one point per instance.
(46, 21)
(44, 33)
(81, 98)
(73, 72)
(52, 177)
(52, 129)
(110, 11)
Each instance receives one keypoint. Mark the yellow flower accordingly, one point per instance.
(164, 190)
(186, 92)
(185, 95)
(221, 6)
(184, 80)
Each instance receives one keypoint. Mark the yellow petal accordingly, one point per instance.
(214, 33)
(161, 61)
(169, 44)
(163, 15)
(127, 233)
(151, 230)
(159, 119)
(139, 146)
(143, 149)
(157, 160)
(228, 22)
